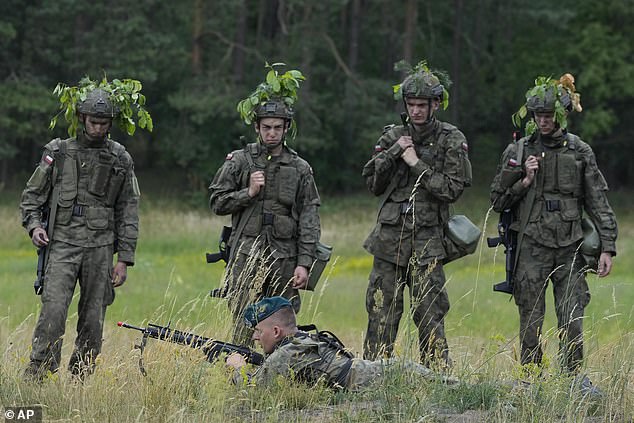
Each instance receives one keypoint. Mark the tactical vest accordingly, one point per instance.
(555, 218)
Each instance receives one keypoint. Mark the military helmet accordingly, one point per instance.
(422, 85)
(98, 104)
(546, 102)
(274, 108)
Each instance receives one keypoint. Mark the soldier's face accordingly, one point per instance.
(545, 122)
(419, 109)
(271, 130)
(267, 335)
(97, 128)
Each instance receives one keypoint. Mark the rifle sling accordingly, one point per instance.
(530, 201)
(50, 229)
(246, 215)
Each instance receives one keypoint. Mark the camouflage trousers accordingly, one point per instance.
(253, 277)
(384, 303)
(565, 269)
(67, 264)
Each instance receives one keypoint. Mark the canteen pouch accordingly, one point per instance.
(460, 238)
(323, 253)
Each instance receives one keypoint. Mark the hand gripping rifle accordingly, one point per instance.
(508, 238)
(210, 347)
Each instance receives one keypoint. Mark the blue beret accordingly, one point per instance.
(259, 311)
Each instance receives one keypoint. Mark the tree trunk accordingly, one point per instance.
(197, 30)
(455, 62)
(411, 17)
(240, 40)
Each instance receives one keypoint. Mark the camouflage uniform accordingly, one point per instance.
(407, 242)
(281, 230)
(308, 359)
(567, 183)
(97, 209)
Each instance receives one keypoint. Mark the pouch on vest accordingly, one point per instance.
(115, 185)
(287, 185)
(591, 246)
(460, 238)
(323, 253)
(99, 218)
(101, 174)
(283, 227)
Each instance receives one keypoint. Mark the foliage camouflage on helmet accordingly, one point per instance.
(273, 98)
(549, 95)
(120, 100)
(422, 82)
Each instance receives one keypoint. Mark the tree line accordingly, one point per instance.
(198, 58)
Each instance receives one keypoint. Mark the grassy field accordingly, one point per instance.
(170, 283)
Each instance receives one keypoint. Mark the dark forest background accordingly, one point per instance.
(198, 58)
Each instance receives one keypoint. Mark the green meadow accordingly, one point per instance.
(170, 284)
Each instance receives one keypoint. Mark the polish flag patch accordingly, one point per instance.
(512, 162)
(229, 156)
(465, 147)
(47, 159)
(378, 148)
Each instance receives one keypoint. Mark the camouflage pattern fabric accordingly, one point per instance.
(407, 241)
(567, 184)
(282, 227)
(304, 358)
(98, 204)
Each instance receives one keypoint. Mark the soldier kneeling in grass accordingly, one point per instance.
(309, 357)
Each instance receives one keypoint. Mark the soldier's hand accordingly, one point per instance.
(256, 182)
(119, 274)
(300, 277)
(39, 237)
(605, 264)
(236, 361)
(405, 142)
(530, 166)
(409, 156)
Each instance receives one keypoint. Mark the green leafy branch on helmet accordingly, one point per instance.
(422, 68)
(124, 94)
(543, 85)
(277, 86)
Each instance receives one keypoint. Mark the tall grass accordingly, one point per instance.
(170, 283)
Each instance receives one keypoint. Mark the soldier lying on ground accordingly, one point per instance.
(310, 358)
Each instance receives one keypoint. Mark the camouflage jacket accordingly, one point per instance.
(98, 199)
(415, 204)
(567, 183)
(306, 358)
(283, 216)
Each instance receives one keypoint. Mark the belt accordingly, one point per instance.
(406, 207)
(267, 218)
(552, 205)
(79, 209)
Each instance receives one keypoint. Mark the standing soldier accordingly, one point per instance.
(270, 193)
(418, 169)
(87, 186)
(547, 179)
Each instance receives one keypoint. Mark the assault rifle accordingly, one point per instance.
(210, 347)
(224, 251)
(508, 238)
(42, 257)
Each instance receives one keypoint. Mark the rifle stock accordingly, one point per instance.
(210, 347)
(508, 238)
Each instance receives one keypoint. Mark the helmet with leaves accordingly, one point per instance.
(274, 108)
(549, 95)
(120, 100)
(97, 103)
(422, 82)
(275, 97)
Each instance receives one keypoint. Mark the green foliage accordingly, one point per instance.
(422, 68)
(125, 95)
(542, 85)
(276, 85)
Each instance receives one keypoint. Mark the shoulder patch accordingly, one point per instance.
(465, 146)
(229, 156)
(47, 159)
(512, 163)
(378, 148)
